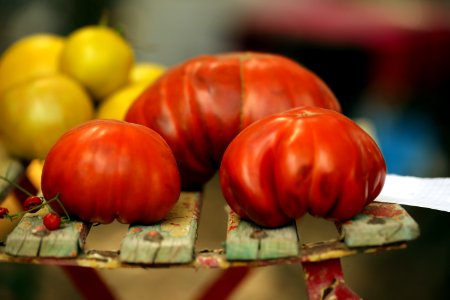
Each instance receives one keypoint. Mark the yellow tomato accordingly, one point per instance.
(99, 58)
(32, 56)
(146, 73)
(34, 114)
(116, 106)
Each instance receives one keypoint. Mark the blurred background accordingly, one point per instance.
(386, 61)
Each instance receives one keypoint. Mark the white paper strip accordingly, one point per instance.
(431, 193)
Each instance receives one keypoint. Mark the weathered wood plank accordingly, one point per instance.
(379, 224)
(207, 258)
(239, 245)
(170, 241)
(31, 238)
(11, 169)
(248, 241)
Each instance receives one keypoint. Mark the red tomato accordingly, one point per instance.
(202, 104)
(304, 160)
(107, 169)
(32, 204)
(52, 221)
(3, 212)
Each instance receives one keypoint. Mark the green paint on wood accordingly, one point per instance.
(170, 241)
(248, 241)
(379, 224)
(31, 238)
(241, 243)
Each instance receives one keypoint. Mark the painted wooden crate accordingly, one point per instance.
(172, 242)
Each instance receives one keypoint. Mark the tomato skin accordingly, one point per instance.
(303, 160)
(3, 212)
(31, 203)
(52, 221)
(107, 169)
(200, 105)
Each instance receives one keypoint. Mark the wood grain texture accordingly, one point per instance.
(248, 241)
(379, 224)
(31, 238)
(170, 241)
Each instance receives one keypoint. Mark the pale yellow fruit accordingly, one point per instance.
(116, 106)
(146, 73)
(141, 76)
(32, 56)
(34, 114)
(99, 58)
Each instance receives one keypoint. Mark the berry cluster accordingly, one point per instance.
(32, 204)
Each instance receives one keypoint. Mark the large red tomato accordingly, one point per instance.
(304, 160)
(200, 105)
(107, 169)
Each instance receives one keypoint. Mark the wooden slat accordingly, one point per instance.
(248, 241)
(206, 259)
(31, 238)
(170, 241)
(11, 169)
(379, 224)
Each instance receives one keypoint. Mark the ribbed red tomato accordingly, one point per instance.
(303, 160)
(107, 169)
(202, 104)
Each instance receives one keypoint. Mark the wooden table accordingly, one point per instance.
(171, 244)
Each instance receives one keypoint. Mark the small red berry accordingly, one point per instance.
(31, 203)
(52, 221)
(3, 212)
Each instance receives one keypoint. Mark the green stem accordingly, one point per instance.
(16, 185)
(44, 201)
(62, 206)
(56, 198)
(104, 19)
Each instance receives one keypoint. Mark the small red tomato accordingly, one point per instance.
(3, 212)
(31, 204)
(52, 221)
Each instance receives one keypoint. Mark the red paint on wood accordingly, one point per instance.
(382, 210)
(325, 280)
(136, 229)
(208, 261)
